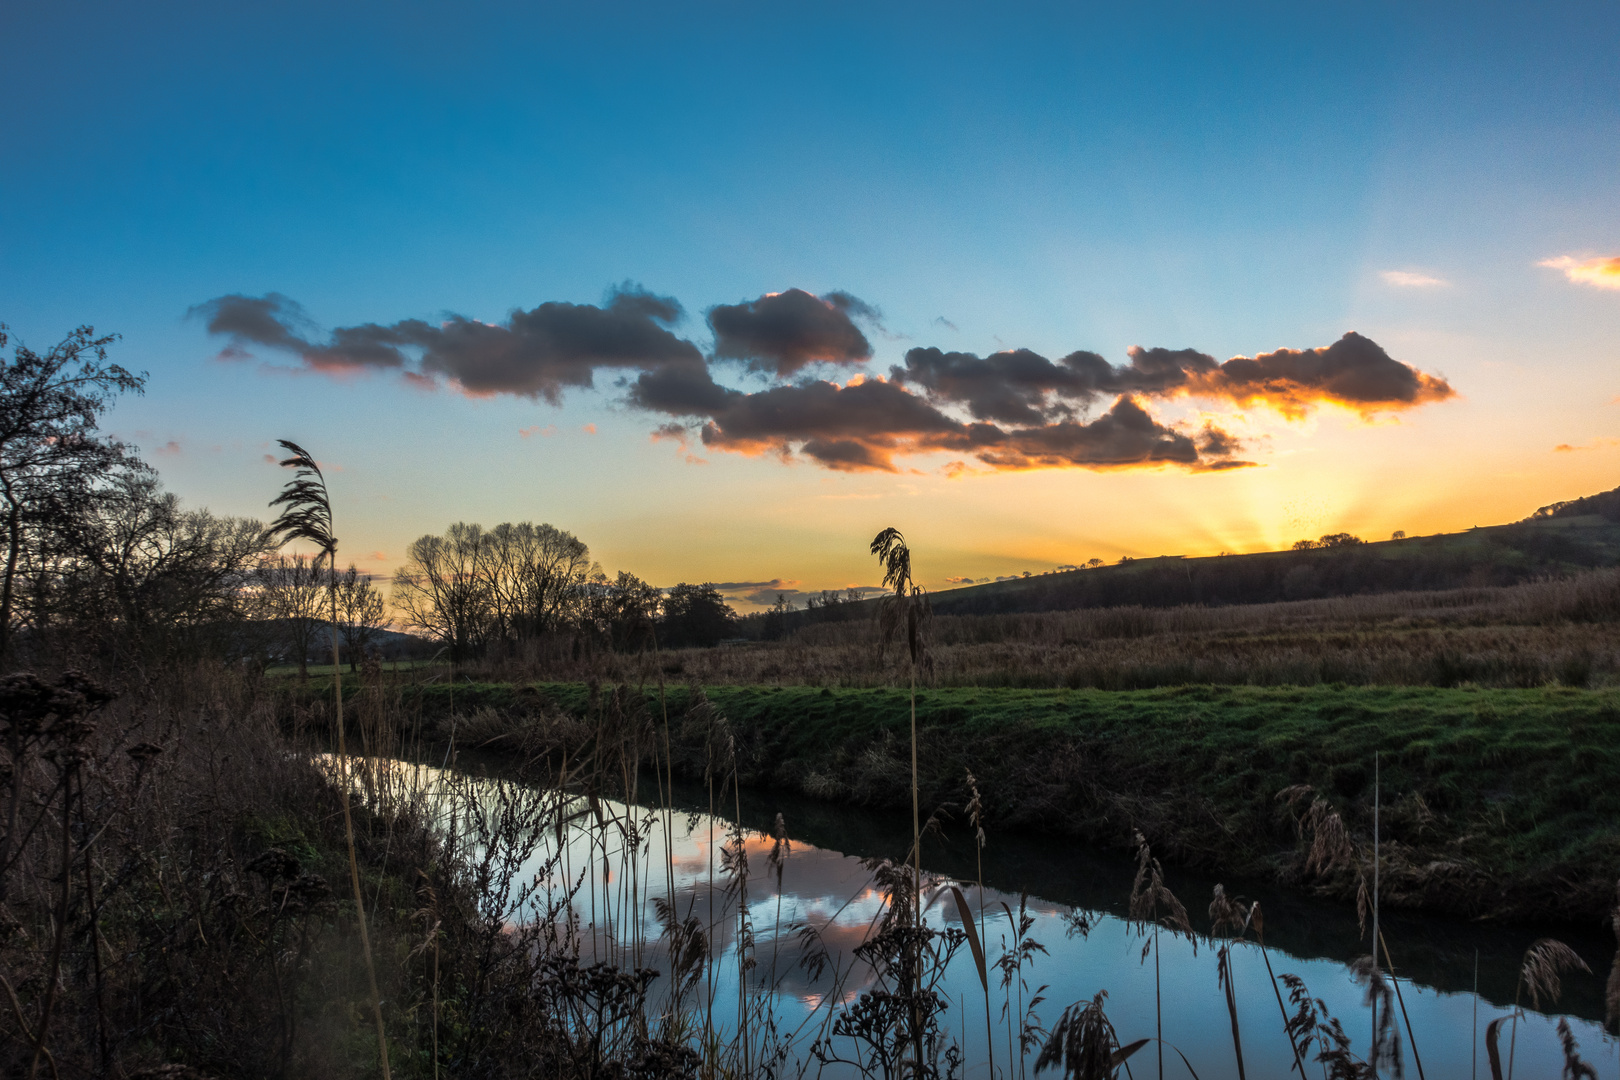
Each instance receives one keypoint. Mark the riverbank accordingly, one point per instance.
(1494, 803)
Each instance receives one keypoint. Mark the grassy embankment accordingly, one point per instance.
(1499, 803)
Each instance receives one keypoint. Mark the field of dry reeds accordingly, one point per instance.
(1564, 630)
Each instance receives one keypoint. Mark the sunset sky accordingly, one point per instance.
(724, 290)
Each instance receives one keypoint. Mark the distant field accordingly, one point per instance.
(1563, 631)
(325, 670)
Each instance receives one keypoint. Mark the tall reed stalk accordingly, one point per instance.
(907, 608)
(308, 516)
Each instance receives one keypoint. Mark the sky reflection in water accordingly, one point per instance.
(834, 893)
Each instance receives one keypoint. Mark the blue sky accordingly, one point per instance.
(1230, 179)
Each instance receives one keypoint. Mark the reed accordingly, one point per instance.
(905, 611)
(307, 515)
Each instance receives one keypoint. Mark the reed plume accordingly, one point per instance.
(308, 516)
(906, 607)
(1153, 905)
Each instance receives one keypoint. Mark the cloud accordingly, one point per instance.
(853, 427)
(748, 586)
(1127, 435)
(1354, 372)
(536, 353)
(378, 556)
(1411, 279)
(1602, 272)
(863, 426)
(940, 320)
(1014, 409)
(787, 331)
(1595, 444)
(1022, 387)
(535, 429)
(1016, 387)
(169, 449)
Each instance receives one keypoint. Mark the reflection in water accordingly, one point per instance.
(820, 902)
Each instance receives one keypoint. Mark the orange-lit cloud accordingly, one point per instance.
(1014, 409)
(1602, 272)
(1353, 372)
(1595, 444)
(1411, 279)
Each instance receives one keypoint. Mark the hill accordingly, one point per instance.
(1556, 540)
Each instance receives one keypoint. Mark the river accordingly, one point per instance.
(826, 885)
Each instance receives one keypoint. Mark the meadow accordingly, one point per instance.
(1558, 630)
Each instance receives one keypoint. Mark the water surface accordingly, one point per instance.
(825, 886)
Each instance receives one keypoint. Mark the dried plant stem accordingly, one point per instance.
(1374, 1057)
(61, 926)
(989, 1039)
(348, 837)
(1401, 1000)
(1265, 955)
(916, 884)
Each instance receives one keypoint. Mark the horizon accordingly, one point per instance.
(724, 295)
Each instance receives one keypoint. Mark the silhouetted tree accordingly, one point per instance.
(695, 615)
(139, 571)
(360, 613)
(440, 592)
(290, 594)
(52, 458)
(633, 609)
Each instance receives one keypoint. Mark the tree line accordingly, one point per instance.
(504, 591)
(103, 564)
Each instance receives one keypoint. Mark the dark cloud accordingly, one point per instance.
(1014, 387)
(862, 426)
(273, 321)
(1009, 410)
(1126, 435)
(786, 331)
(749, 586)
(681, 389)
(1215, 443)
(535, 353)
(1023, 387)
(873, 414)
(1354, 372)
(1158, 371)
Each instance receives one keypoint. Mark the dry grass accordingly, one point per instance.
(1564, 631)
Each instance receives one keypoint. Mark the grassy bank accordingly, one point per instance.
(1496, 803)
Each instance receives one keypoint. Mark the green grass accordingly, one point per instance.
(1520, 789)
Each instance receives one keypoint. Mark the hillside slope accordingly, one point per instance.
(1557, 540)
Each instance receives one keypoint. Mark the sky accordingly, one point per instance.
(724, 290)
